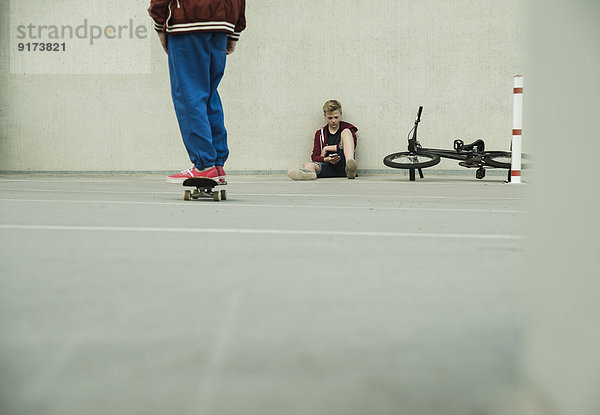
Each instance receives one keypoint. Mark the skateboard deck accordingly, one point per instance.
(204, 187)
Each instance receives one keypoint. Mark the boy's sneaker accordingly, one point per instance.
(298, 174)
(351, 168)
(222, 178)
(210, 173)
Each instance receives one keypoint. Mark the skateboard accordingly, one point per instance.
(203, 188)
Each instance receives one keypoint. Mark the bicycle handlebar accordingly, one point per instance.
(413, 140)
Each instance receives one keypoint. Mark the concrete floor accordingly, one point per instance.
(372, 296)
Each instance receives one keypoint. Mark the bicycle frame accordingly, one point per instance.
(469, 155)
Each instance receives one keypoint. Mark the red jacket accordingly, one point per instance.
(321, 140)
(185, 16)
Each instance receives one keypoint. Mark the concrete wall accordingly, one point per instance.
(381, 59)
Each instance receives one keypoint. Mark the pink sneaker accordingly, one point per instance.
(222, 179)
(210, 173)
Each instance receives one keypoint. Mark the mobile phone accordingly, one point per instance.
(333, 155)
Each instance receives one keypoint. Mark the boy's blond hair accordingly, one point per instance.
(332, 105)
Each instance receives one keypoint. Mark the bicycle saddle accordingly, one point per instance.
(459, 145)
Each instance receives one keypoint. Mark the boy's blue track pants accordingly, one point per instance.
(196, 66)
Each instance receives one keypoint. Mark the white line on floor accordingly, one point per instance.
(367, 196)
(300, 195)
(256, 231)
(249, 205)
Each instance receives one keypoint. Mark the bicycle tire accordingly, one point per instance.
(502, 159)
(408, 160)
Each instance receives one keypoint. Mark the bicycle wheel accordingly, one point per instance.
(502, 159)
(408, 160)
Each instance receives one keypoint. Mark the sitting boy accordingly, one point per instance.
(333, 151)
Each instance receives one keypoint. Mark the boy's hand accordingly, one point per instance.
(332, 159)
(327, 149)
(230, 46)
(163, 41)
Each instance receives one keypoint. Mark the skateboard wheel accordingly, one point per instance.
(187, 195)
(223, 194)
(217, 196)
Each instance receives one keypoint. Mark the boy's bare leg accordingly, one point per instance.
(347, 144)
(308, 172)
(314, 167)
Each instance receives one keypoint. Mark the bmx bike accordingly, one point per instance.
(469, 155)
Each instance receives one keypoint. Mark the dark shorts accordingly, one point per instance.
(333, 170)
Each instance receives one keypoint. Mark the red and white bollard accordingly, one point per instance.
(517, 132)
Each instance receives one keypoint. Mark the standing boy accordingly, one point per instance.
(197, 35)
(333, 149)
